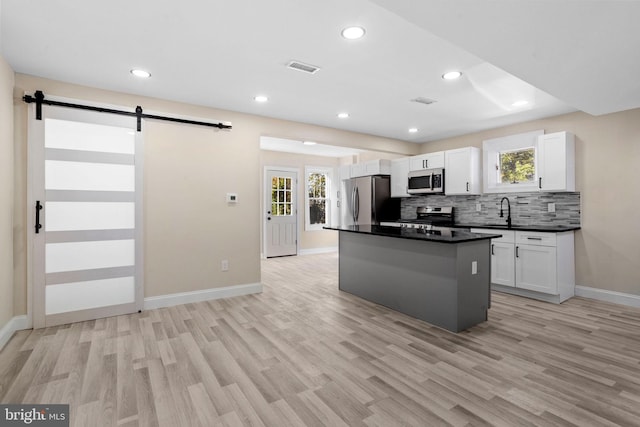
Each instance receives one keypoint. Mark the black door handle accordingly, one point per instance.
(517, 255)
(492, 250)
(467, 186)
(38, 209)
(540, 182)
(268, 218)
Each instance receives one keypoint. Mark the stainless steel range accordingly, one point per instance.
(428, 218)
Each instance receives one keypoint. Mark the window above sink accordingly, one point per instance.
(510, 163)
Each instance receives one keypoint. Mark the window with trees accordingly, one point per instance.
(509, 163)
(317, 201)
(517, 166)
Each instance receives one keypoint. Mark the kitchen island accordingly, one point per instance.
(439, 276)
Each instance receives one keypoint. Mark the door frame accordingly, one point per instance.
(35, 172)
(267, 200)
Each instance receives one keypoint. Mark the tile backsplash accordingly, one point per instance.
(526, 208)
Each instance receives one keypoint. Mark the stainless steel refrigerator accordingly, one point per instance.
(367, 200)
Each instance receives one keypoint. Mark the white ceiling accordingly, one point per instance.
(223, 53)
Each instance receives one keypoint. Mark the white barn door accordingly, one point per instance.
(85, 188)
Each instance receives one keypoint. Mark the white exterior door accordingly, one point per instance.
(281, 222)
(85, 183)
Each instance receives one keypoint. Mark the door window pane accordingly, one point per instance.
(88, 137)
(61, 175)
(281, 196)
(69, 216)
(74, 256)
(90, 294)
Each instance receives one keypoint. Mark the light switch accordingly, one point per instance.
(478, 207)
(474, 267)
(551, 207)
(232, 197)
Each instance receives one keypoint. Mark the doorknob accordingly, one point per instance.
(268, 218)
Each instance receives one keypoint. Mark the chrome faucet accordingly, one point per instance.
(508, 212)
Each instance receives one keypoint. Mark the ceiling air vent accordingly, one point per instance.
(295, 65)
(423, 100)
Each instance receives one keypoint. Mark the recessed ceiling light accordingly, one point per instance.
(352, 33)
(140, 73)
(309, 143)
(343, 115)
(260, 98)
(451, 75)
(520, 103)
(413, 130)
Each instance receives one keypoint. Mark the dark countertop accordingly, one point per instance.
(542, 228)
(456, 236)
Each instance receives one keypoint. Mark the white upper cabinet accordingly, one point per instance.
(399, 178)
(462, 171)
(372, 167)
(427, 161)
(556, 162)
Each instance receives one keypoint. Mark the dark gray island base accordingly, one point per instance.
(427, 277)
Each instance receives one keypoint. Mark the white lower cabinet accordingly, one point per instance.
(536, 268)
(533, 264)
(503, 263)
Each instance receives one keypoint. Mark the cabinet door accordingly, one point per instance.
(503, 263)
(536, 268)
(427, 161)
(556, 162)
(399, 172)
(462, 171)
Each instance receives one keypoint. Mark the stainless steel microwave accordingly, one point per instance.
(426, 181)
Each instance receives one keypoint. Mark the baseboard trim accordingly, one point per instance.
(204, 295)
(315, 251)
(17, 323)
(608, 296)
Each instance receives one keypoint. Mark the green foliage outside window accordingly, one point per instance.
(317, 191)
(517, 166)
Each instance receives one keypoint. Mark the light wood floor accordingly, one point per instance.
(303, 353)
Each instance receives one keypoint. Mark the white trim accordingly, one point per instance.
(204, 295)
(17, 323)
(315, 251)
(608, 296)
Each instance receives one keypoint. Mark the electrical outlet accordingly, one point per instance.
(474, 267)
(478, 207)
(224, 265)
(551, 207)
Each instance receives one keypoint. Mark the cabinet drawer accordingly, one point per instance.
(508, 236)
(535, 238)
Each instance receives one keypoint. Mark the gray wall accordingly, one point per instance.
(526, 208)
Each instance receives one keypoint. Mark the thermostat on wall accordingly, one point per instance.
(232, 197)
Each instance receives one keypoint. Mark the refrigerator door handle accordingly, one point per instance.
(357, 205)
(353, 205)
